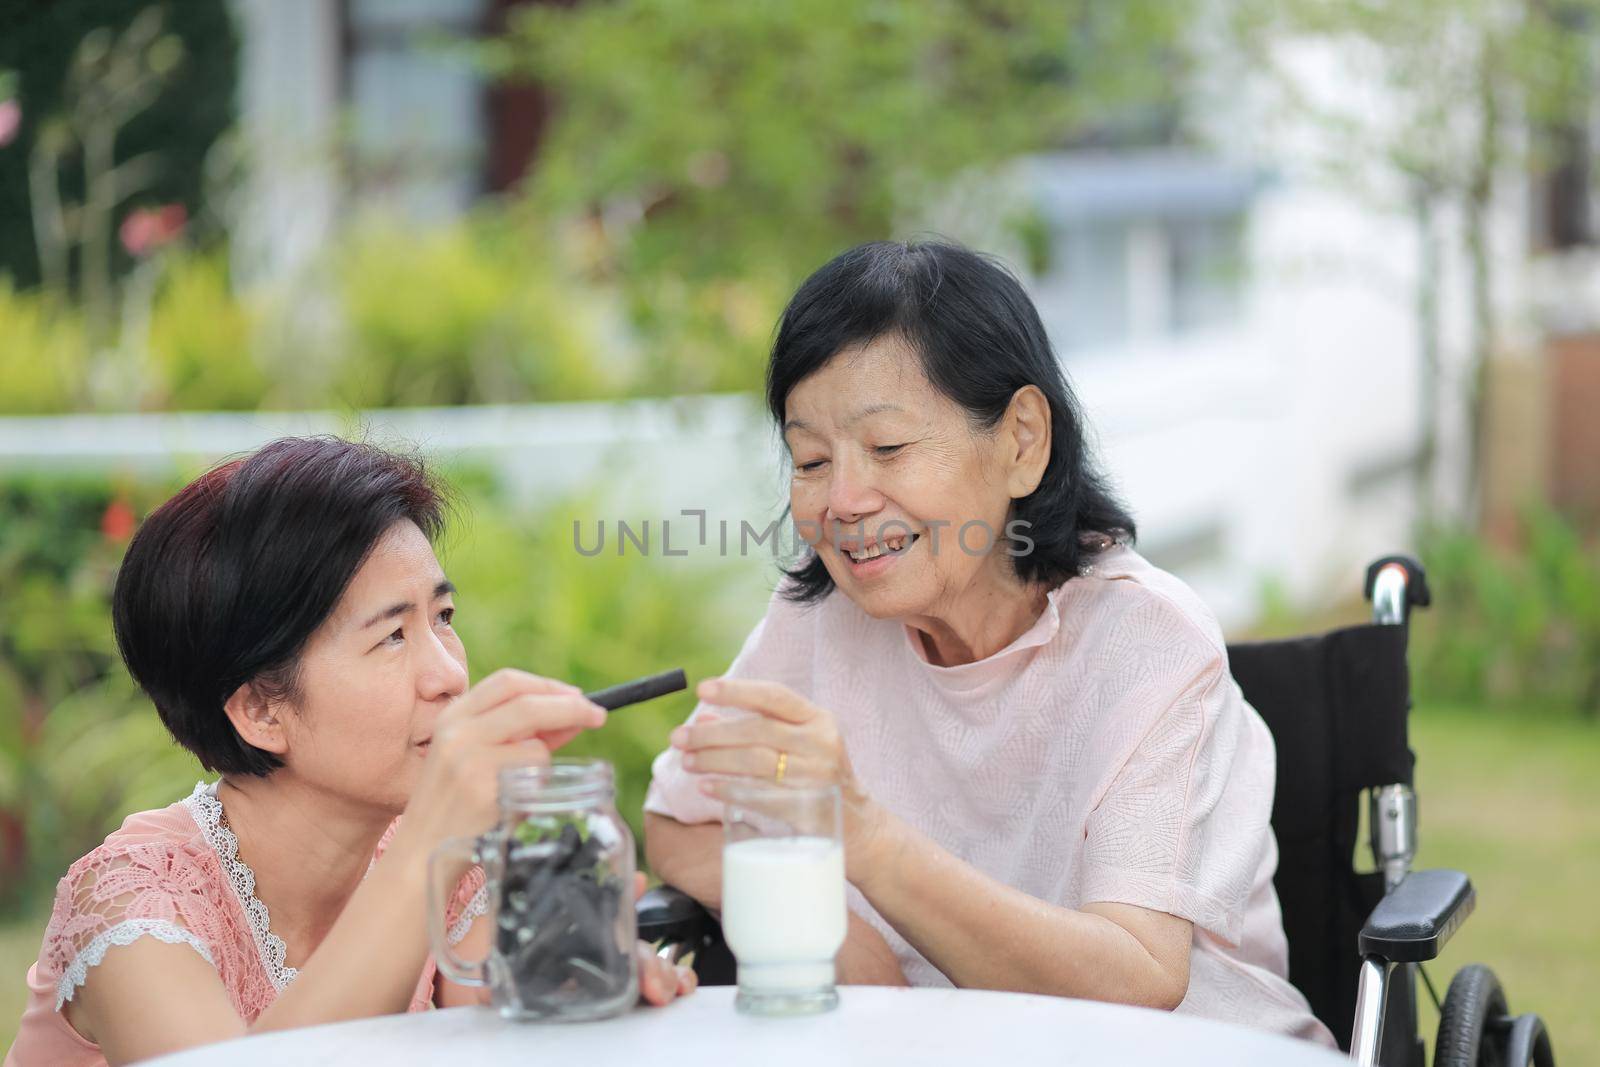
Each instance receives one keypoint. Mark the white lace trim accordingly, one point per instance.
(478, 905)
(206, 809)
(124, 933)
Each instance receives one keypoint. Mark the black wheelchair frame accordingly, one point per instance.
(1417, 915)
(1337, 705)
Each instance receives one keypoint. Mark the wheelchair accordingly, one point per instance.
(1336, 705)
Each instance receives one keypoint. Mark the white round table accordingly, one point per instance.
(872, 1025)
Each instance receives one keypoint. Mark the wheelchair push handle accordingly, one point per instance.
(1395, 585)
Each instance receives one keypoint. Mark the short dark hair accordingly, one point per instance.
(225, 583)
(980, 340)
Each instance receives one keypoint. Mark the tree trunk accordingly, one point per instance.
(1428, 260)
(99, 146)
(1480, 199)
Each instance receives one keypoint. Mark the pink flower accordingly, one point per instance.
(148, 228)
(10, 121)
(118, 522)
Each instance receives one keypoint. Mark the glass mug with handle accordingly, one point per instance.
(783, 893)
(558, 871)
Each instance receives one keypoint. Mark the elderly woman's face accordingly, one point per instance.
(883, 461)
(376, 674)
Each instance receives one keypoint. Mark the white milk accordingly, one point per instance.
(783, 911)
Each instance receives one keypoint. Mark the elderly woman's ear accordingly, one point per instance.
(1025, 441)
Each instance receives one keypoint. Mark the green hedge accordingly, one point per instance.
(460, 314)
(1512, 626)
(76, 749)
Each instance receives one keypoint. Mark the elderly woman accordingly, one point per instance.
(289, 619)
(1051, 782)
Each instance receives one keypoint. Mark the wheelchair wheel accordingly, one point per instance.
(1528, 1043)
(1471, 1031)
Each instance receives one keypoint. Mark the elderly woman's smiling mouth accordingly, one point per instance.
(873, 556)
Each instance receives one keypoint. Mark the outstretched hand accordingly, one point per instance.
(660, 982)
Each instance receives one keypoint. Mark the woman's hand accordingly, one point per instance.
(511, 718)
(789, 728)
(660, 982)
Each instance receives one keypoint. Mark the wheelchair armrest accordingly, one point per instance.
(669, 914)
(1413, 922)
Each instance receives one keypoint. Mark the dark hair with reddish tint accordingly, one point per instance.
(226, 582)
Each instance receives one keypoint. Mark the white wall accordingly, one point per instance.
(646, 457)
(1240, 444)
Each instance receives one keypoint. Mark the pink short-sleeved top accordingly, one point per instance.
(1106, 755)
(173, 874)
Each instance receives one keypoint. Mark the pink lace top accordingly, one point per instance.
(174, 875)
(1104, 755)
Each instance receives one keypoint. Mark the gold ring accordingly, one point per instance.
(783, 765)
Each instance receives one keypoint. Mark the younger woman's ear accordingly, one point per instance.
(256, 719)
(1027, 440)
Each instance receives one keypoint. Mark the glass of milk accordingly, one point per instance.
(783, 910)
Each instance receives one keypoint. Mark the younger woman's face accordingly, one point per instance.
(375, 675)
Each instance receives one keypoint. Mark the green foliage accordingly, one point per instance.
(201, 339)
(464, 314)
(767, 135)
(80, 747)
(458, 314)
(191, 343)
(77, 748)
(1507, 626)
(44, 354)
(719, 150)
(56, 565)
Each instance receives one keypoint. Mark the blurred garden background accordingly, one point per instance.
(1325, 273)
